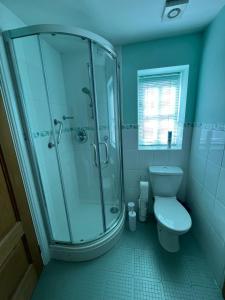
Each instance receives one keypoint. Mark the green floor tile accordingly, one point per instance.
(137, 268)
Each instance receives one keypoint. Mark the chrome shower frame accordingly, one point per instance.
(88, 250)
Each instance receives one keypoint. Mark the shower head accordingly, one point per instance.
(86, 91)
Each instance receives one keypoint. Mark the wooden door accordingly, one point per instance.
(20, 258)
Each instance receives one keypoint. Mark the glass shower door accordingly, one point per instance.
(66, 61)
(104, 66)
(38, 120)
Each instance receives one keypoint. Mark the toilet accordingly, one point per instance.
(173, 219)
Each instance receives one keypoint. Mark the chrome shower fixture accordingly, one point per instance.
(86, 91)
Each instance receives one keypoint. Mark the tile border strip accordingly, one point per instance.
(44, 133)
(207, 126)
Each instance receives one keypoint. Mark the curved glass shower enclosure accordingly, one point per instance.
(68, 87)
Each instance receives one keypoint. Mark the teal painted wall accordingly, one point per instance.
(181, 50)
(211, 97)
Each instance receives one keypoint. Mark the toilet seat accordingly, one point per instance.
(171, 214)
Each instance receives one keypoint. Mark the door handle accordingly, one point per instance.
(95, 154)
(56, 122)
(106, 161)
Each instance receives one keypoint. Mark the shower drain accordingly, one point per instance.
(114, 210)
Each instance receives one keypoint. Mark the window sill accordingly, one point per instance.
(165, 148)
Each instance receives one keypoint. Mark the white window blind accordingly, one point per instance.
(159, 101)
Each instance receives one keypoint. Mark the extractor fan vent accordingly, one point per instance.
(174, 9)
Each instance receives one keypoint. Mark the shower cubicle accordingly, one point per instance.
(68, 100)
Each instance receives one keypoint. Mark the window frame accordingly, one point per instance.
(184, 71)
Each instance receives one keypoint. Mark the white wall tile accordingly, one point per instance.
(197, 167)
(136, 162)
(206, 195)
(161, 157)
(200, 141)
(211, 177)
(132, 179)
(221, 187)
(145, 159)
(216, 147)
(194, 190)
(219, 219)
(131, 159)
(130, 139)
(177, 158)
(206, 203)
(131, 194)
(215, 250)
(211, 245)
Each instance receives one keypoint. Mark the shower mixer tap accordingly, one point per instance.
(81, 135)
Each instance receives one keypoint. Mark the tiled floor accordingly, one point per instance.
(137, 268)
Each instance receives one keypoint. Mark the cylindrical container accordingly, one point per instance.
(143, 201)
(131, 206)
(143, 210)
(132, 220)
(144, 190)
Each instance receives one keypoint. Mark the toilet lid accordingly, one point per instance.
(171, 213)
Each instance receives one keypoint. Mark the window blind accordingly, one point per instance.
(158, 108)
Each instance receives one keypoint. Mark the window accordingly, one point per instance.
(161, 107)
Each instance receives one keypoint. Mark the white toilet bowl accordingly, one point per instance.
(173, 220)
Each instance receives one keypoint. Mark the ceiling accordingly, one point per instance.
(120, 21)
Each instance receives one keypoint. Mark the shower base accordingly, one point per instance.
(88, 222)
(90, 250)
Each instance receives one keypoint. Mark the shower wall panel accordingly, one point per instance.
(75, 67)
(52, 59)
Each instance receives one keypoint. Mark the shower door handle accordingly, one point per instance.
(56, 122)
(106, 161)
(95, 154)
